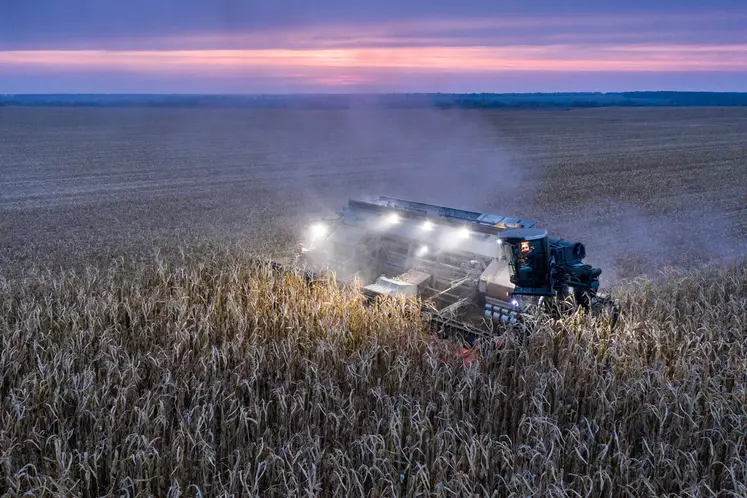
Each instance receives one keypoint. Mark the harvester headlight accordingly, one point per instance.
(500, 242)
(427, 225)
(422, 251)
(392, 219)
(319, 230)
(463, 233)
(514, 303)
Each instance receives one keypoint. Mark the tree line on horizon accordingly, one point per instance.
(396, 100)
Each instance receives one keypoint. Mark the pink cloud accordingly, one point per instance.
(344, 65)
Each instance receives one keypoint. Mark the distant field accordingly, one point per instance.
(643, 187)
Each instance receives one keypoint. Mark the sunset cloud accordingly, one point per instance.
(350, 51)
(420, 59)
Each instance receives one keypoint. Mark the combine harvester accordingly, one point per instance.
(471, 270)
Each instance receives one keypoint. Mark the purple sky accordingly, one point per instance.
(286, 46)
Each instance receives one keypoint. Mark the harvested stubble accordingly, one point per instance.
(214, 375)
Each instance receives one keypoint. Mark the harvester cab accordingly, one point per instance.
(527, 253)
(543, 266)
(471, 269)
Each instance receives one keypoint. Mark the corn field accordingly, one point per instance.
(211, 374)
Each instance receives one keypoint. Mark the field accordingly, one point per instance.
(145, 350)
(641, 187)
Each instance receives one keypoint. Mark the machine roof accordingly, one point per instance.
(524, 233)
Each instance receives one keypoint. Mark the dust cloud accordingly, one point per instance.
(453, 158)
(463, 159)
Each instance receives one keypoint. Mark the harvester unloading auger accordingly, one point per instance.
(472, 270)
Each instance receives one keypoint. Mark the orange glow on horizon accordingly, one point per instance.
(478, 59)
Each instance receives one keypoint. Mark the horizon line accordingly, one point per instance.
(358, 94)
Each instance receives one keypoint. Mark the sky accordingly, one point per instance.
(350, 46)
